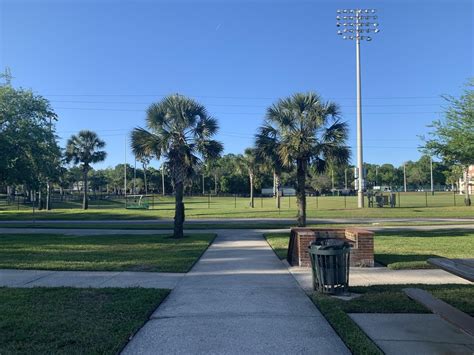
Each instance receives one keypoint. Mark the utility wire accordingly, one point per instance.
(226, 105)
(236, 113)
(239, 97)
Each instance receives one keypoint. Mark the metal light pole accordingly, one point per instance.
(405, 177)
(163, 178)
(357, 24)
(431, 173)
(125, 172)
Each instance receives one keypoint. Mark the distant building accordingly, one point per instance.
(284, 191)
(469, 179)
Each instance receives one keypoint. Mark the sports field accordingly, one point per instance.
(409, 205)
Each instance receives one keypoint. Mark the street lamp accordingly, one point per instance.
(358, 24)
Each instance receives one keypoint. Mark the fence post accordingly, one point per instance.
(454, 197)
(426, 198)
(317, 204)
(399, 200)
(261, 201)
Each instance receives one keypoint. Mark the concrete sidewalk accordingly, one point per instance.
(382, 276)
(239, 298)
(96, 279)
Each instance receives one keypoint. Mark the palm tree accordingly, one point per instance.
(306, 131)
(84, 149)
(179, 130)
(248, 162)
(145, 162)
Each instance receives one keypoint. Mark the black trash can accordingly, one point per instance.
(330, 260)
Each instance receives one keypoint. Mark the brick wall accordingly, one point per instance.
(362, 242)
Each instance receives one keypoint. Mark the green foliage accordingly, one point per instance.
(84, 149)
(305, 131)
(180, 130)
(29, 153)
(452, 138)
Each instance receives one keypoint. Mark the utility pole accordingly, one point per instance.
(405, 177)
(203, 188)
(355, 23)
(431, 171)
(376, 174)
(135, 177)
(125, 171)
(163, 178)
(345, 178)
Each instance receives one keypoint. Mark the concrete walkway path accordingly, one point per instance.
(239, 298)
(96, 279)
(382, 276)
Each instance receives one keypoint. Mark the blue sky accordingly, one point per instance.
(101, 63)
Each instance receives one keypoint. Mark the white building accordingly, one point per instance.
(284, 191)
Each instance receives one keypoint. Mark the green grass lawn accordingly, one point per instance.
(413, 205)
(159, 253)
(71, 320)
(254, 224)
(279, 243)
(410, 249)
(404, 249)
(384, 299)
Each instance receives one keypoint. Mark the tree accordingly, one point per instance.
(145, 162)
(180, 130)
(29, 153)
(267, 148)
(248, 163)
(308, 132)
(452, 138)
(84, 149)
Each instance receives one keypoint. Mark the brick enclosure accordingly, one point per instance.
(362, 242)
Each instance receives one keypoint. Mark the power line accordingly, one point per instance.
(235, 113)
(226, 105)
(240, 97)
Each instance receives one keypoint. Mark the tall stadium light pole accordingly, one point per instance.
(357, 24)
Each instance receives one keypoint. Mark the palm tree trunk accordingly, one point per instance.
(85, 201)
(467, 198)
(300, 191)
(277, 190)
(251, 190)
(179, 210)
